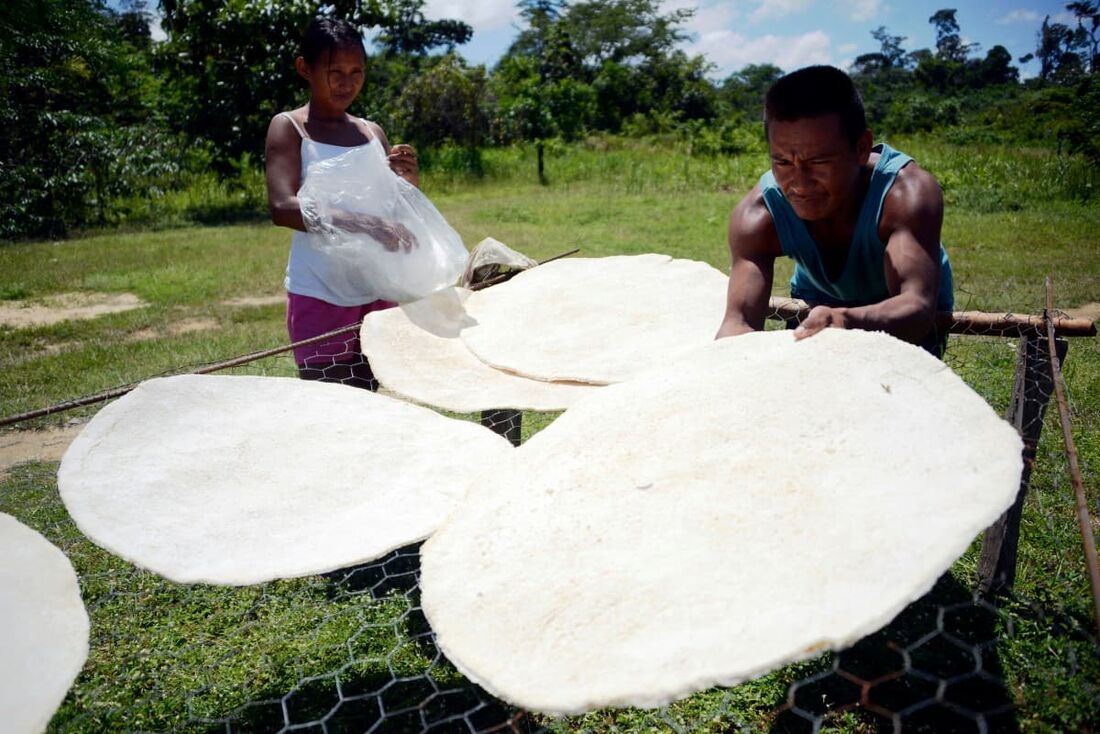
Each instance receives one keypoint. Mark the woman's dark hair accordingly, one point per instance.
(813, 92)
(326, 34)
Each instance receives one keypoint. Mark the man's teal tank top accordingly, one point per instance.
(863, 280)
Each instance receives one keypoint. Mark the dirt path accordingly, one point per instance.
(47, 445)
(64, 307)
(87, 305)
(1090, 311)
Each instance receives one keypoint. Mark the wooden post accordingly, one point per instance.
(505, 422)
(1031, 393)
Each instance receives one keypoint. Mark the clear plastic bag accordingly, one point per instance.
(491, 259)
(379, 226)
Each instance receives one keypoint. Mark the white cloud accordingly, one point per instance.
(156, 27)
(865, 9)
(482, 15)
(771, 9)
(706, 17)
(1019, 16)
(1035, 18)
(731, 51)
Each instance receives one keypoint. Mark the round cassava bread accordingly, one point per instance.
(239, 480)
(415, 352)
(43, 628)
(754, 503)
(596, 320)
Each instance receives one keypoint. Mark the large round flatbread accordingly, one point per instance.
(596, 320)
(43, 628)
(415, 352)
(756, 503)
(238, 480)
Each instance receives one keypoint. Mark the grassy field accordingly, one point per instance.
(191, 658)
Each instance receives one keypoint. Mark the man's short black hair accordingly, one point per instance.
(813, 92)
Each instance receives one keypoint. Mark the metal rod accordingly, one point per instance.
(975, 323)
(118, 392)
(1074, 469)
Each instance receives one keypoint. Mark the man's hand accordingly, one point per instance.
(402, 160)
(821, 317)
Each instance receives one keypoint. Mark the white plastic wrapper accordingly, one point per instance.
(384, 229)
(491, 258)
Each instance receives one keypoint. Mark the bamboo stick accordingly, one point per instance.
(974, 323)
(1083, 518)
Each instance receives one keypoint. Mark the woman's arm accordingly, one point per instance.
(283, 172)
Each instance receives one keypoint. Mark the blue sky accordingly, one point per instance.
(792, 33)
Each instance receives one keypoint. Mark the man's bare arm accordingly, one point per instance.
(912, 219)
(753, 248)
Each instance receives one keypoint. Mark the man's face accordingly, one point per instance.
(816, 167)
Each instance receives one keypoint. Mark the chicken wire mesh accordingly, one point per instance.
(351, 651)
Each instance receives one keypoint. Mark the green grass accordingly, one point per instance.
(167, 657)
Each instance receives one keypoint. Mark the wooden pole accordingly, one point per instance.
(975, 323)
(1082, 506)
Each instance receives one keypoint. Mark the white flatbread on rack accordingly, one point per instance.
(415, 351)
(596, 320)
(755, 503)
(239, 480)
(43, 628)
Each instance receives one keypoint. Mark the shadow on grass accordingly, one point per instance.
(935, 668)
(418, 691)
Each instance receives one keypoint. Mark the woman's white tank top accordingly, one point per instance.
(309, 271)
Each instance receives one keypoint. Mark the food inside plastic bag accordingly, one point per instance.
(384, 229)
(491, 259)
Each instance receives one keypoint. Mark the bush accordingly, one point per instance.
(921, 113)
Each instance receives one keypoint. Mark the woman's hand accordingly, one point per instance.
(393, 236)
(402, 160)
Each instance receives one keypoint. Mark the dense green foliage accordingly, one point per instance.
(102, 122)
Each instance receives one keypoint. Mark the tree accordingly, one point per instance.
(77, 106)
(623, 31)
(889, 56)
(532, 106)
(407, 32)
(744, 90)
(950, 68)
(231, 61)
(445, 103)
(1088, 28)
(997, 69)
(1056, 52)
(949, 45)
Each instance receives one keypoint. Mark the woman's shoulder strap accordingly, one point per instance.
(297, 126)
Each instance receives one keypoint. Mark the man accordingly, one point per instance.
(861, 222)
